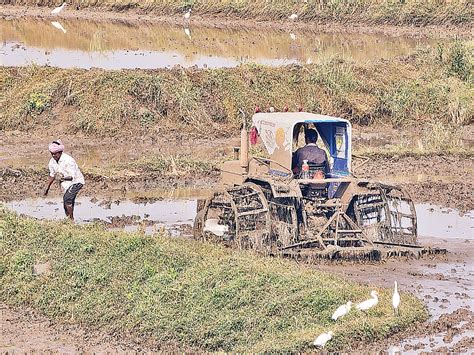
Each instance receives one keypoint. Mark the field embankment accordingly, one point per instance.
(368, 12)
(432, 87)
(170, 291)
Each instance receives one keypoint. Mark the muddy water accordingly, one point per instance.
(170, 214)
(86, 44)
(180, 209)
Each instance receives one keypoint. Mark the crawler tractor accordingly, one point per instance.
(263, 205)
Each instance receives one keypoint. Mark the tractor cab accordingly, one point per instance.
(280, 134)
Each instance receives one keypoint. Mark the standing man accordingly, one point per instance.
(65, 168)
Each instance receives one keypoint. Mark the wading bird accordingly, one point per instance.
(368, 304)
(322, 339)
(396, 299)
(187, 15)
(187, 32)
(293, 36)
(58, 26)
(293, 17)
(341, 311)
(58, 9)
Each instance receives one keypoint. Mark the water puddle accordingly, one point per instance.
(87, 44)
(178, 208)
(435, 221)
(173, 215)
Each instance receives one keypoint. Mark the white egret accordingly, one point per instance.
(293, 36)
(394, 350)
(58, 26)
(322, 339)
(187, 15)
(368, 304)
(395, 299)
(212, 225)
(341, 311)
(187, 31)
(58, 9)
(293, 17)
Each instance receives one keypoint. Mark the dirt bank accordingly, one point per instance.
(25, 331)
(426, 89)
(329, 23)
(444, 283)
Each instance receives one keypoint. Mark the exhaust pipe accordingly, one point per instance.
(244, 150)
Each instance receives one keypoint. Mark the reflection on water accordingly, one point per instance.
(86, 44)
(166, 213)
(178, 207)
(435, 221)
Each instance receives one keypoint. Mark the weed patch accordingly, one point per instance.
(394, 12)
(429, 86)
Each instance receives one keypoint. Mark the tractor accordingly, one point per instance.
(264, 206)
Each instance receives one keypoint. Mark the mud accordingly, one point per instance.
(449, 185)
(148, 215)
(25, 331)
(448, 298)
(132, 17)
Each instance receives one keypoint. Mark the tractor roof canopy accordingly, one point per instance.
(279, 133)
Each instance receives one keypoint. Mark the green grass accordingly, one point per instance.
(394, 12)
(184, 293)
(432, 85)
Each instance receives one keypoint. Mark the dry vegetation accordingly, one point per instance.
(173, 291)
(431, 88)
(394, 12)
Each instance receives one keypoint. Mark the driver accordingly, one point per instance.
(310, 152)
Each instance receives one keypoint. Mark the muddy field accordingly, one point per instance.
(135, 183)
(114, 173)
(444, 283)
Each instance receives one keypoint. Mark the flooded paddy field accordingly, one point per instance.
(69, 43)
(126, 190)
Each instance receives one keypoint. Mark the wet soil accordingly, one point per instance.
(444, 283)
(443, 180)
(133, 17)
(25, 331)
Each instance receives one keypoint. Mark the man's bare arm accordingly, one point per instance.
(48, 184)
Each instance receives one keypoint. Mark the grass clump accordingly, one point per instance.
(173, 291)
(409, 91)
(394, 12)
(174, 166)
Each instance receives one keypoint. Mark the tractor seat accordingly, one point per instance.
(316, 190)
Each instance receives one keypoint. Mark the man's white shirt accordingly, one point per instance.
(67, 166)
